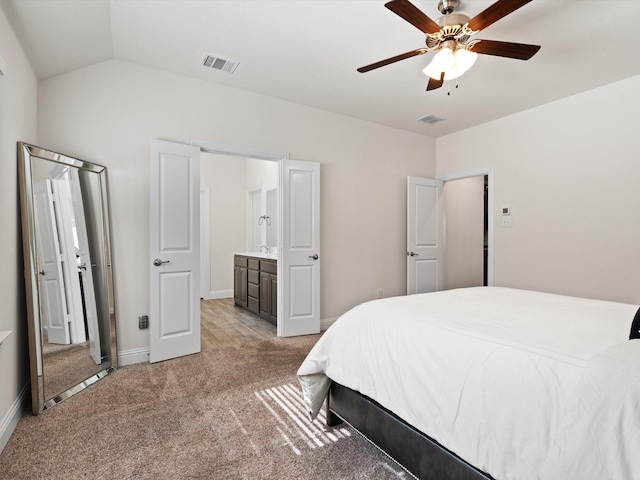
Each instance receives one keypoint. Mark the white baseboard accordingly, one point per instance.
(11, 419)
(216, 294)
(141, 355)
(327, 322)
(135, 355)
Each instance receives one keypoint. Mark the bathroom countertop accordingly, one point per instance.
(266, 256)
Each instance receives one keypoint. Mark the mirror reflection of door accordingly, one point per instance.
(68, 303)
(84, 263)
(53, 296)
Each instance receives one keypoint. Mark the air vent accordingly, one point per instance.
(430, 119)
(218, 63)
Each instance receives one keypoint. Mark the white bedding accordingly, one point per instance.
(488, 372)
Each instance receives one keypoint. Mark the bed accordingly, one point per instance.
(486, 382)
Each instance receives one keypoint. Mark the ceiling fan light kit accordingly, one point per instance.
(449, 36)
(453, 63)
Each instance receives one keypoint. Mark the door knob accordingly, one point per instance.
(157, 262)
(41, 272)
(412, 254)
(314, 256)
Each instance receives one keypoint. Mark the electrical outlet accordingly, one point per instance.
(143, 322)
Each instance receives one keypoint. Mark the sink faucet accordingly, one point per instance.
(266, 249)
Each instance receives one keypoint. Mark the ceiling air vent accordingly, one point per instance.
(218, 63)
(430, 119)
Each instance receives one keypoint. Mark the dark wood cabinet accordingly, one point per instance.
(255, 286)
(240, 290)
(269, 291)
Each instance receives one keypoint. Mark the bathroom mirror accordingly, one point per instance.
(272, 213)
(68, 273)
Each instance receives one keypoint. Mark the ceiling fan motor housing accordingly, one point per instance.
(447, 6)
(451, 28)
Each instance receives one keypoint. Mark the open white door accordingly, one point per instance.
(85, 267)
(52, 295)
(299, 259)
(64, 217)
(174, 250)
(425, 235)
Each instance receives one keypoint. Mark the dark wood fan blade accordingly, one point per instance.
(433, 84)
(413, 15)
(521, 51)
(495, 12)
(397, 58)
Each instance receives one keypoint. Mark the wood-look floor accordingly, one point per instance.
(223, 324)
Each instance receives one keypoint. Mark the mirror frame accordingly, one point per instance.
(32, 290)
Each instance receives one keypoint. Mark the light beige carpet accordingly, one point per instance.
(232, 413)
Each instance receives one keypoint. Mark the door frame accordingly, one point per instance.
(209, 146)
(283, 159)
(205, 242)
(488, 172)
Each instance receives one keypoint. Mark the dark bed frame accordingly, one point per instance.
(415, 451)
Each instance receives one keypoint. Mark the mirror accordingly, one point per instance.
(68, 273)
(272, 213)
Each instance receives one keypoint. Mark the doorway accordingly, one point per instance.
(468, 223)
(174, 231)
(234, 219)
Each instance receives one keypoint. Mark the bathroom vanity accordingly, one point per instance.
(255, 284)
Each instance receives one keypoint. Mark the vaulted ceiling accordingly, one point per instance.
(307, 51)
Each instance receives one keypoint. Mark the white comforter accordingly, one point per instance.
(488, 372)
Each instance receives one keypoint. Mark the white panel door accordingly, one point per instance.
(51, 285)
(174, 250)
(65, 221)
(425, 236)
(85, 268)
(299, 262)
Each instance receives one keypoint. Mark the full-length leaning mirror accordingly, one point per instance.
(68, 273)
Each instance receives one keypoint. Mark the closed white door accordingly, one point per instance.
(174, 250)
(52, 295)
(425, 235)
(299, 262)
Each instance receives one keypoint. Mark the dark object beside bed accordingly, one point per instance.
(415, 451)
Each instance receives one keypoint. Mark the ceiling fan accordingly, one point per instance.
(450, 37)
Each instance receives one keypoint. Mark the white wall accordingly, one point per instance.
(569, 170)
(464, 239)
(226, 176)
(108, 113)
(18, 102)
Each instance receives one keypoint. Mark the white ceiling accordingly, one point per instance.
(307, 51)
